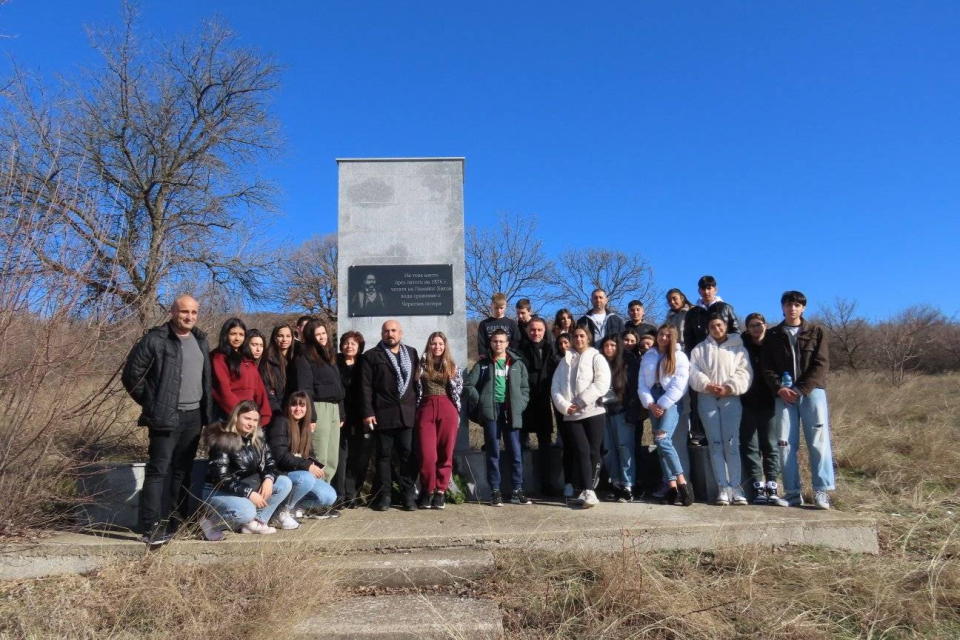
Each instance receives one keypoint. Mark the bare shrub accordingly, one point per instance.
(623, 276)
(902, 341)
(849, 334)
(307, 278)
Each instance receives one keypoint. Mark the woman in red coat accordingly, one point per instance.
(235, 375)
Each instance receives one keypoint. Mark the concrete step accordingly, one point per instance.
(403, 617)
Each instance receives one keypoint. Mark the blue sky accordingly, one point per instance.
(774, 145)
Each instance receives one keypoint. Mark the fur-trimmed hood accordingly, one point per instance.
(217, 437)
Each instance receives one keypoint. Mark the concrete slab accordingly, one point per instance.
(403, 617)
(545, 525)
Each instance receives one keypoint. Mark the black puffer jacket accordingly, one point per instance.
(151, 375)
(286, 460)
(696, 321)
(233, 459)
(320, 381)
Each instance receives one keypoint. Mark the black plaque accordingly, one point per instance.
(401, 290)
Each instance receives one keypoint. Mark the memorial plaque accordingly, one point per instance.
(400, 290)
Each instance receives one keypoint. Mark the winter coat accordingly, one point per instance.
(814, 357)
(279, 439)
(726, 364)
(488, 326)
(540, 363)
(353, 394)
(320, 381)
(583, 378)
(454, 385)
(695, 323)
(277, 388)
(636, 412)
(678, 318)
(151, 375)
(518, 389)
(234, 458)
(758, 397)
(612, 326)
(230, 390)
(379, 386)
(674, 386)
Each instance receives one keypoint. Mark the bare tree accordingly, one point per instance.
(848, 332)
(623, 276)
(144, 172)
(902, 341)
(507, 257)
(308, 277)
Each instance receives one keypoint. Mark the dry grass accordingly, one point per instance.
(157, 598)
(898, 453)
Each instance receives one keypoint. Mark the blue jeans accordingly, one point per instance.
(811, 412)
(669, 459)
(236, 511)
(619, 439)
(721, 422)
(492, 431)
(681, 436)
(309, 491)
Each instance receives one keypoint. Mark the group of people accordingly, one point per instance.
(292, 424)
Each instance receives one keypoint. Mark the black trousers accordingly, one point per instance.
(166, 481)
(395, 446)
(584, 437)
(355, 447)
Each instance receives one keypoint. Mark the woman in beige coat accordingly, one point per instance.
(720, 372)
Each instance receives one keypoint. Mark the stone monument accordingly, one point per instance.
(401, 249)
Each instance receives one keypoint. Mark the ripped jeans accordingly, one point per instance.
(810, 412)
(669, 459)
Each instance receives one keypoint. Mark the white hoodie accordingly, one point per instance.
(673, 386)
(726, 364)
(581, 377)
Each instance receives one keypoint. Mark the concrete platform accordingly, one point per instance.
(607, 527)
(404, 617)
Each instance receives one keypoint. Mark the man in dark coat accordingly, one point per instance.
(537, 356)
(167, 373)
(389, 400)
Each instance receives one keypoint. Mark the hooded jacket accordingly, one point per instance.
(583, 378)
(518, 389)
(726, 364)
(151, 375)
(674, 386)
(234, 458)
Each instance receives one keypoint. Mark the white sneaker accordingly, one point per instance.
(286, 521)
(568, 491)
(298, 513)
(578, 501)
(737, 493)
(255, 526)
(821, 500)
(589, 499)
(723, 499)
(211, 530)
(795, 501)
(773, 495)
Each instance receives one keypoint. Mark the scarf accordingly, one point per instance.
(402, 367)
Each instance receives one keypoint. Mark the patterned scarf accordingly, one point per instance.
(402, 368)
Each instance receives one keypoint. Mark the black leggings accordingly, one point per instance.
(584, 437)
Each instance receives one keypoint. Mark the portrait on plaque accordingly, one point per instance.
(400, 290)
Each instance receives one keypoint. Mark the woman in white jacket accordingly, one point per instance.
(662, 383)
(720, 372)
(581, 380)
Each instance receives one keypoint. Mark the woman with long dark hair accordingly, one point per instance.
(244, 487)
(317, 375)
(274, 365)
(235, 376)
(619, 437)
(356, 442)
(438, 417)
(291, 442)
(664, 373)
(562, 323)
(582, 378)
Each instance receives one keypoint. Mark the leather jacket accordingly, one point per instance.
(695, 323)
(234, 458)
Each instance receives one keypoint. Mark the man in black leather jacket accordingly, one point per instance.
(168, 374)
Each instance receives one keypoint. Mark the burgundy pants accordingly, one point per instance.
(437, 424)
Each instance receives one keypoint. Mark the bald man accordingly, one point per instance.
(389, 385)
(167, 373)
